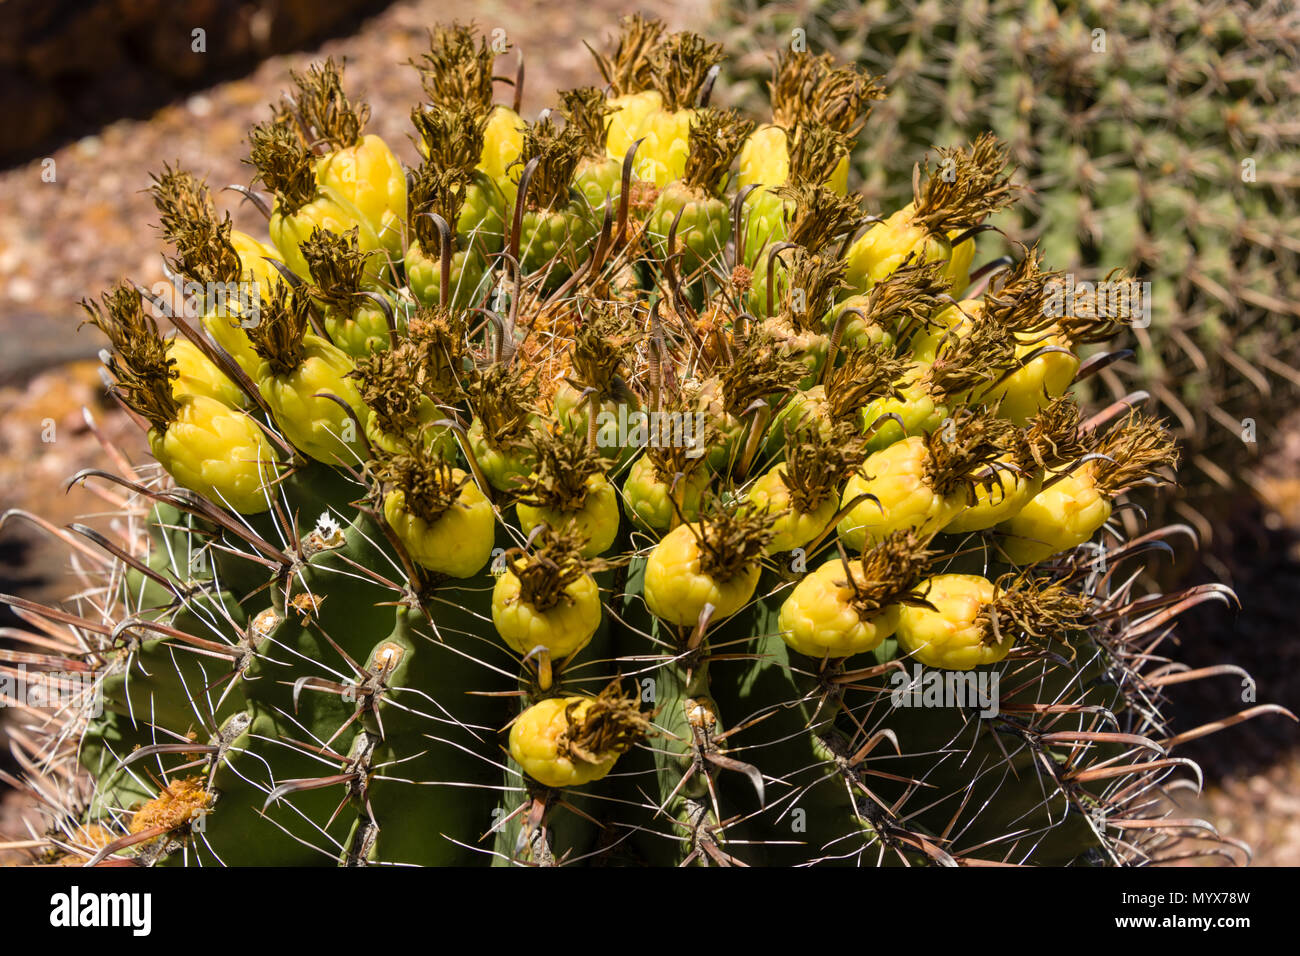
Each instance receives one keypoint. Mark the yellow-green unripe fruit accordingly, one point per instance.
(373, 182)
(217, 452)
(440, 440)
(882, 249)
(819, 620)
(647, 499)
(628, 121)
(536, 743)
(1033, 386)
(503, 141)
(996, 500)
(458, 543)
(197, 375)
(596, 520)
(504, 468)
(318, 427)
(1061, 516)
(562, 629)
(954, 635)
(677, 588)
(765, 160)
(228, 330)
(896, 476)
(795, 528)
(333, 214)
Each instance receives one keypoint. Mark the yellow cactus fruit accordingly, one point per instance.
(849, 607)
(571, 741)
(548, 598)
(710, 562)
(197, 375)
(1075, 503)
(440, 515)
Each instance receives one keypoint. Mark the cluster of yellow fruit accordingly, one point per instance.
(478, 340)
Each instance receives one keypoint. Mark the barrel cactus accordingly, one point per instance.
(1156, 137)
(507, 526)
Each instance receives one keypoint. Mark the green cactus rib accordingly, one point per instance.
(456, 648)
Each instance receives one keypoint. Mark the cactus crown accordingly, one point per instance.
(323, 111)
(630, 69)
(279, 336)
(457, 68)
(970, 184)
(564, 463)
(358, 686)
(1138, 449)
(451, 137)
(820, 214)
(441, 192)
(587, 110)
(715, 138)
(816, 465)
(681, 64)
(284, 164)
(140, 363)
(336, 265)
(557, 151)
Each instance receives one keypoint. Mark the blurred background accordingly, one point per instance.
(1166, 131)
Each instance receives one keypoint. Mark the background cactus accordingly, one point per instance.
(340, 670)
(1155, 137)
